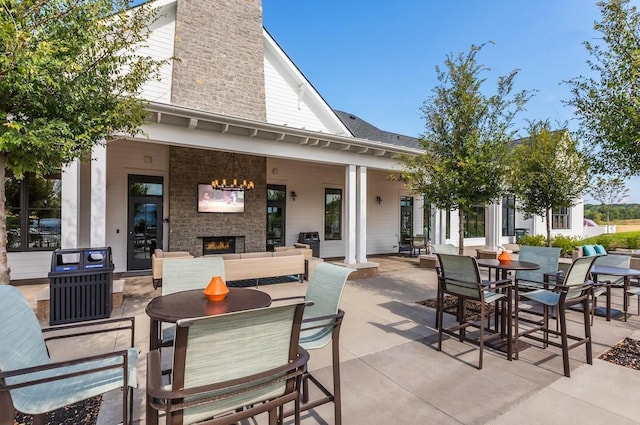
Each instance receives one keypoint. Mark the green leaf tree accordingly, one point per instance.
(608, 103)
(608, 191)
(69, 79)
(466, 139)
(548, 172)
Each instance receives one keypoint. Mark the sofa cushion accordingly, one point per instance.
(256, 254)
(287, 253)
(599, 249)
(588, 250)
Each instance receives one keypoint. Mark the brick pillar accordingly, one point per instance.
(220, 49)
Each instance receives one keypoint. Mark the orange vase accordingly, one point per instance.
(504, 257)
(216, 290)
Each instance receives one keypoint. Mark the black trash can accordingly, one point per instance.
(313, 240)
(80, 285)
(520, 233)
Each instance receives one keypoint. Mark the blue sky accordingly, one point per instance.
(377, 59)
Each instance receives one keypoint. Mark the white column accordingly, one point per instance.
(494, 226)
(99, 196)
(350, 214)
(361, 230)
(70, 210)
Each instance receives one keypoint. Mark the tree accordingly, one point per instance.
(608, 192)
(547, 172)
(69, 77)
(608, 104)
(466, 139)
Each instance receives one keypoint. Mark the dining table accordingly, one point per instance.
(190, 304)
(626, 274)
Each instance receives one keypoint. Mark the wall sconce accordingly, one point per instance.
(293, 195)
(378, 200)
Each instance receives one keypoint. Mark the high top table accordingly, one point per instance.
(505, 266)
(627, 274)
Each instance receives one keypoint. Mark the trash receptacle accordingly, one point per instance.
(313, 240)
(520, 233)
(80, 285)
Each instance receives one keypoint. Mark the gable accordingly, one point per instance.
(290, 99)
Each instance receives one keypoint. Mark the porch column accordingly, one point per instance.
(361, 214)
(70, 210)
(350, 214)
(494, 226)
(99, 196)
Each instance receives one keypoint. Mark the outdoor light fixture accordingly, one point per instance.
(293, 195)
(378, 200)
(231, 177)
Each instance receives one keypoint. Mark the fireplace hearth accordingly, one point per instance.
(218, 245)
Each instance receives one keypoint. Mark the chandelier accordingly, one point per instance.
(231, 177)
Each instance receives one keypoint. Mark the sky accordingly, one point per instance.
(377, 59)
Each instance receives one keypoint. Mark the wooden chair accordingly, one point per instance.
(576, 288)
(230, 367)
(31, 383)
(460, 277)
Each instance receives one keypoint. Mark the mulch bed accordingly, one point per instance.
(82, 413)
(451, 306)
(625, 353)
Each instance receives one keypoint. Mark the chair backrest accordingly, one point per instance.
(547, 257)
(216, 349)
(445, 249)
(183, 274)
(612, 260)
(459, 275)
(21, 341)
(577, 275)
(419, 241)
(325, 291)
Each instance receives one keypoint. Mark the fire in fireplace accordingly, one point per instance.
(218, 245)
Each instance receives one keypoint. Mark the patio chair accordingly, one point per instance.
(418, 243)
(321, 325)
(32, 383)
(548, 259)
(606, 282)
(445, 249)
(230, 367)
(460, 277)
(184, 274)
(634, 289)
(576, 288)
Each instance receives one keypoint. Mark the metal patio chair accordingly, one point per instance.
(230, 367)
(32, 383)
(546, 257)
(606, 282)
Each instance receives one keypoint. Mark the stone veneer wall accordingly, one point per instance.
(219, 44)
(187, 168)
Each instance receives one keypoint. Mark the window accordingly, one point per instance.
(33, 212)
(332, 214)
(560, 218)
(406, 219)
(509, 215)
(474, 221)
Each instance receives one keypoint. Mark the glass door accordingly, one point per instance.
(406, 220)
(144, 227)
(276, 209)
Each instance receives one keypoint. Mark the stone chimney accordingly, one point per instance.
(220, 52)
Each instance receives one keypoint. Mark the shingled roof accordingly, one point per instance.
(363, 130)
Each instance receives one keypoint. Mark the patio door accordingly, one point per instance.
(276, 212)
(144, 218)
(406, 219)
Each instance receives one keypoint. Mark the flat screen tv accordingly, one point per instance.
(219, 201)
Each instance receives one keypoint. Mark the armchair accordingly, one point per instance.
(31, 383)
(230, 367)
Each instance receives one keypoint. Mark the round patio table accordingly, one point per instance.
(506, 266)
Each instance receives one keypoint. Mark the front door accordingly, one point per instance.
(276, 207)
(406, 220)
(144, 220)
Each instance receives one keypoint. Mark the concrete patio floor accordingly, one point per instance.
(392, 372)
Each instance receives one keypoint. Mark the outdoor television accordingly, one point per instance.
(219, 201)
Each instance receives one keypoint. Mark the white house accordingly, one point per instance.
(236, 100)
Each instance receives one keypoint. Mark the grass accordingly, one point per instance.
(615, 240)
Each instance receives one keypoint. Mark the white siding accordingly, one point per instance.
(290, 99)
(160, 46)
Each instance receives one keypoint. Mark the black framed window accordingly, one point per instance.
(560, 218)
(33, 212)
(332, 214)
(474, 223)
(509, 215)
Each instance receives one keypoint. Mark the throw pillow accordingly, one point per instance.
(588, 250)
(600, 249)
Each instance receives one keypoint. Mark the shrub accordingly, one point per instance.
(533, 240)
(566, 244)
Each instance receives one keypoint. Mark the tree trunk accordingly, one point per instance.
(548, 220)
(5, 277)
(461, 231)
